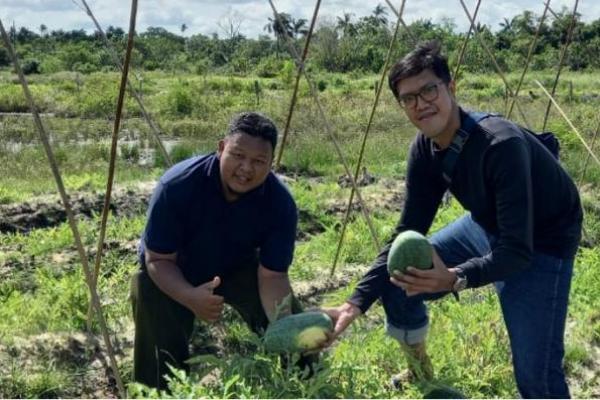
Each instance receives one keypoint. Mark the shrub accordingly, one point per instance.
(130, 152)
(269, 67)
(31, 67)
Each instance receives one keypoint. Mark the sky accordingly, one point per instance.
(211, 16)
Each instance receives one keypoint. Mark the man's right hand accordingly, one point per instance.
(206, 305)
(342, 317)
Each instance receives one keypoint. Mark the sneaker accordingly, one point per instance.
(403, 379)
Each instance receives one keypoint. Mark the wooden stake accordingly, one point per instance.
(69, 211)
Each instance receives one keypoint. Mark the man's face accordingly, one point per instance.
(245, 162)
(428, 102)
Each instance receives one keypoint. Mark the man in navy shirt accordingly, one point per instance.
(220, 229)
(521, 231)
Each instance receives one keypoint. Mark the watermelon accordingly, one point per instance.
(298, 332)
(409, 249)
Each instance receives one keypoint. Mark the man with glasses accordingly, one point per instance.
(521, 231)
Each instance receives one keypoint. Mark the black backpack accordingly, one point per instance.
(548, 139)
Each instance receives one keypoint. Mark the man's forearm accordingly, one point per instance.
(275, 291)
(169, 278)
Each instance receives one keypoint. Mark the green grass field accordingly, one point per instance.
(45, 350)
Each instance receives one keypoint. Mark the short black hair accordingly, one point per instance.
(254, 124)
(425, 56)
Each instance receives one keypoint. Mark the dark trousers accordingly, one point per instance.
(534, 304)
(163, 327)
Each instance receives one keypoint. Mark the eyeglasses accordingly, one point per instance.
(427, 93)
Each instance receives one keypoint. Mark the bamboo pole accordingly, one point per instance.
(399, 15)
(494, 62)
(561, 61)
(364, 140)
(69, 211)
(300, 67)
(466, 41)
(553, 101)
(553, 13)
(529, 57)
(113, 54)
(113, 149)
(587, 159)
(330, 132)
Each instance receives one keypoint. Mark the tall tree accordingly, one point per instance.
(380, 14)
(345, 25)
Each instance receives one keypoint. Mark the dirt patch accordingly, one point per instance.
(387, 194)
(297, 172)
(363, 179)
(82, 354)
(309, 225)
(310, 293)
(49, 211)
(16, 269)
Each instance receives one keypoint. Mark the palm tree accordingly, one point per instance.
(507, 25)
(280, 26)
(380, 14)
(299, 27)
(345, 25)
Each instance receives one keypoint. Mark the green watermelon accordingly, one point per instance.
(298, 332)
(409, 249)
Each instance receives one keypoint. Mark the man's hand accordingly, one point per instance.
(342, 317)
(206, 305)
(415, 281)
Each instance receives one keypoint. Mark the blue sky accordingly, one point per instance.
(209, 16)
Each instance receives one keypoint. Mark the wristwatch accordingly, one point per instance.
(461, 281)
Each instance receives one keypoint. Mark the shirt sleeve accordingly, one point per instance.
(162, 233)
(424, 192)
(509, 170)
(277, 250)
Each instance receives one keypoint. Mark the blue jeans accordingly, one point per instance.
(534, 305)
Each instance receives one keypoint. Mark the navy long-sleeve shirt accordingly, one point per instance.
(513, 187)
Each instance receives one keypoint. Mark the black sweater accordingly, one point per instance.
(513, 187)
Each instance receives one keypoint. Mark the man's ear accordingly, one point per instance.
(452, 87)
(221, 146)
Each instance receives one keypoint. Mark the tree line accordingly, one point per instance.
(341, 44)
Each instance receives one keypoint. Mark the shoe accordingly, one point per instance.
(401, 380)
(419, 369)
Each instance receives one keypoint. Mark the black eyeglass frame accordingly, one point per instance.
(409, 100)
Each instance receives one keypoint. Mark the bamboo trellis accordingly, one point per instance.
(91, 276)
(44, 137)
(365, 136)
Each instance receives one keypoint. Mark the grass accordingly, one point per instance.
(42, 290)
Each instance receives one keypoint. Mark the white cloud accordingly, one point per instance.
(204, 16)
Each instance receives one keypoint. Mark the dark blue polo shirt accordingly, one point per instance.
(188, 214)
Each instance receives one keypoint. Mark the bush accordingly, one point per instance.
(130, 153)
(31, 67)
(51, 65)
(287, 72)
(85, 68)
(178, 152)
(179, 99)
(269, 67)
(321, 85)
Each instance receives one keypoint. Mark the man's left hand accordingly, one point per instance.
(440, 278)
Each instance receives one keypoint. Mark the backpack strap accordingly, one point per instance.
(468, 123)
